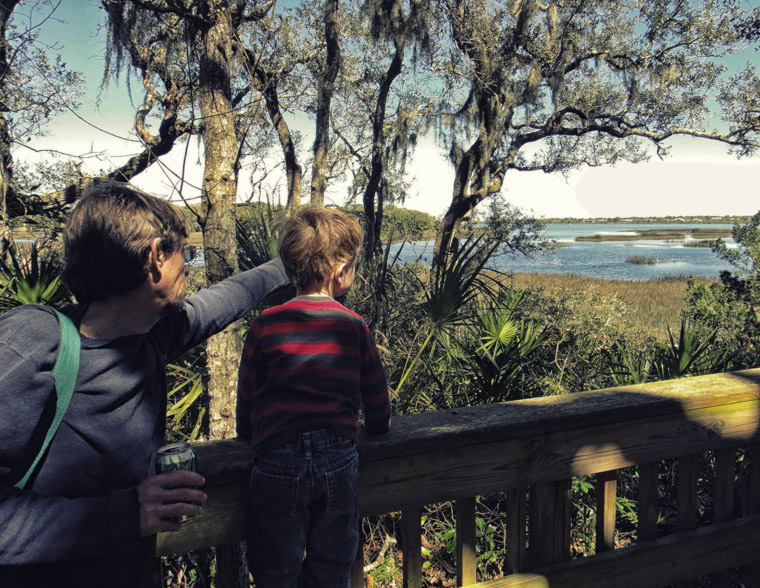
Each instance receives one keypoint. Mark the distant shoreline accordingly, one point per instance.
(659, 234)
(196, 237)
(651, 220)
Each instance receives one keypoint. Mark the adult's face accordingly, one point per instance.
(173, 284)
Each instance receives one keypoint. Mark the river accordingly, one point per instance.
(605, 259)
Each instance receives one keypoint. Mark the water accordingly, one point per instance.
(605, 259)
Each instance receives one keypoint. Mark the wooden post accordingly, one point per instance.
(357, 569)
(517, 516)
(466, 559)
(231, 566)
(156, 574)
(411, 543)
(686, 498)
(753, 505)
(648, 512)
(549, 521)
(752, 571)
(606, 510)
(723, 501)
(686, 493)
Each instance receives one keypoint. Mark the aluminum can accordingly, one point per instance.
(176, 456)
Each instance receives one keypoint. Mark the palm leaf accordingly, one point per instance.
(32, 277)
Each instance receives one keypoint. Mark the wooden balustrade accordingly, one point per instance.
(531, 449)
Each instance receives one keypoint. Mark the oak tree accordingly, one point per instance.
(554, 85)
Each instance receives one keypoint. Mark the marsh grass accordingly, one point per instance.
(641, 260)
(702, 243)
(652, 304)
(658, 234)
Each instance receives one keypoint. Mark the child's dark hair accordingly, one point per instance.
(314, 242)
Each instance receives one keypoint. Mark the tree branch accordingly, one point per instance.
(169, 8)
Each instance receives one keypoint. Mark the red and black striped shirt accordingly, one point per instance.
(309, 364)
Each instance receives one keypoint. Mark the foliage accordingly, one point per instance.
(34, 86)
(192, 212)
(628, 366)
(692, 355)
(732, 306)
(491, 360)
(555, 86)
(583, 332)
(641, 260)
(41, 216)
(516, 232)
(648, 306)
(402, 223)
(448, 302)
(187, 408)
(746, 257)
(257, 237)
(33, 276)
(583, 513)
(39, 84)
(379, 115)
(463, 343)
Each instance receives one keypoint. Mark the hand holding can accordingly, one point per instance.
(165, 499)
(174, 457)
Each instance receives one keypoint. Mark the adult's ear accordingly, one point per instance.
(156, 259)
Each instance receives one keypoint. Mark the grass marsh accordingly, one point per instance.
(652, 304)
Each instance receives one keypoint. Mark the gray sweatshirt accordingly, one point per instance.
(79, 514)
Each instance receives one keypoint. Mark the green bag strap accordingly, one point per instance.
(65, 373)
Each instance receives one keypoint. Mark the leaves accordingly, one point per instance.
(256, 237)
(448, 299)
(746, 256)
(693, 353)
(33, 277)
(186, 408)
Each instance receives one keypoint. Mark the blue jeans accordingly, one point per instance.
(303, 516)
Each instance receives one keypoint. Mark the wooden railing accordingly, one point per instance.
(531, 449)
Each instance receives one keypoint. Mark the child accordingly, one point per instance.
(307, 367)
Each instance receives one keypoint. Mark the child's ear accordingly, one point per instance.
(340, 271)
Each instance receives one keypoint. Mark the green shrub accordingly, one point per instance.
(33, 276)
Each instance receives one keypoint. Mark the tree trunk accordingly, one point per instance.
(293, 169)
(268, 87)
(372, 246)
(6, 161)
(218, 223)
(473, 183)
(446, 238)
(462, 203)
(326, 88)
(218, 210)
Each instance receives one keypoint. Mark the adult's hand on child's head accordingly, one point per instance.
(165, 498)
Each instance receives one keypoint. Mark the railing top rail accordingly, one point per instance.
(464, 452)
(467, 426)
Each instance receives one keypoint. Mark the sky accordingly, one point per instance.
(698, 178)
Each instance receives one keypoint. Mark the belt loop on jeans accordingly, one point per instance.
(307, 445)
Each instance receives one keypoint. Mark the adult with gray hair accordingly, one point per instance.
(87, 514)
